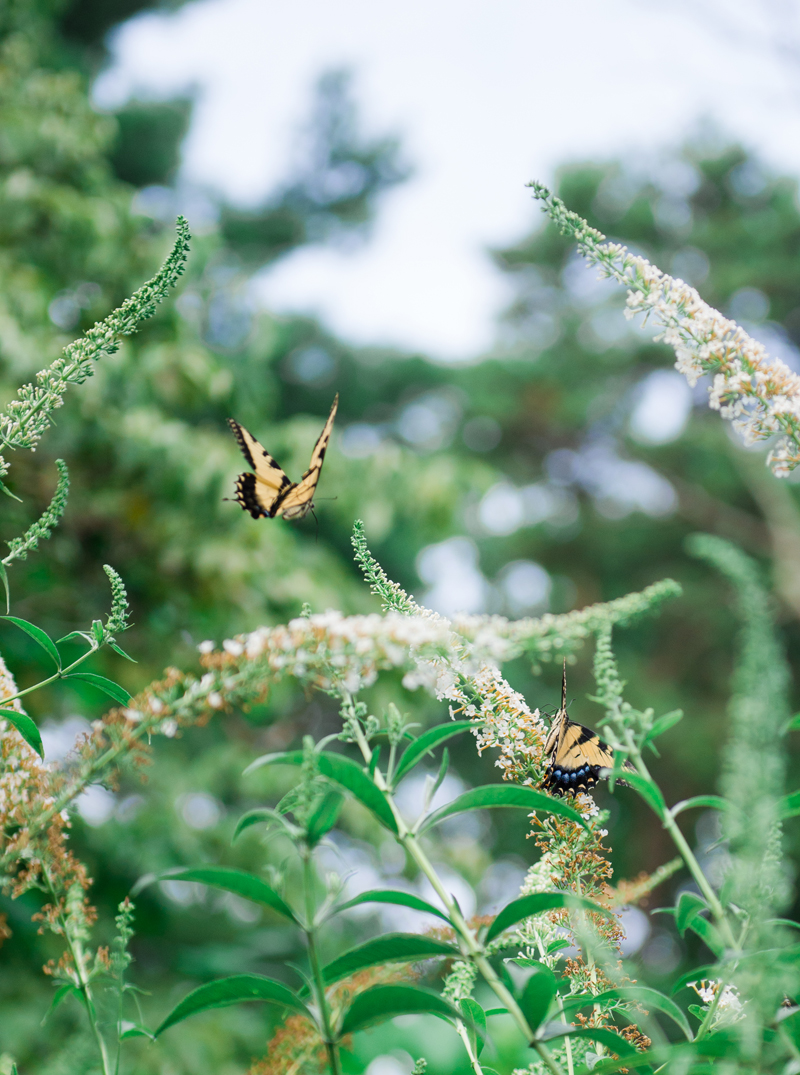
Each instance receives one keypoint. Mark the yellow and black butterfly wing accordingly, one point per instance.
(576, 759)
(260, 493)
(299, 500)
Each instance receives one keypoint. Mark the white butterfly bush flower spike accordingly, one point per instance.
(758, 394)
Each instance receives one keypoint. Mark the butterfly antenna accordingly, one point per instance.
(564, 687)
(316, 520)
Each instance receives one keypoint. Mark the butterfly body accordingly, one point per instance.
(268, 492)
(576, 755)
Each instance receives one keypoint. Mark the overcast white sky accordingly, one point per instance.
(485, 94)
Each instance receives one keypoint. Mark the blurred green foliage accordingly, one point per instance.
(534, 454)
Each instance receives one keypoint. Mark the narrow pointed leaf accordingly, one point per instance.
(4, 579)
(608, 1038)
(325, 816)
(789, 805)
(239, 882)
(525, 906)
(26, 728)
(689, 905)
(107, 686)
(136, 1030)
(714, 802)
(493, 795)
(695, 975)
(663, 724)
(426, 742)
(75, 635)
(4, 488)
(234, 990)
(476, 1023)
(400, 899)
(348, 774)
(537, 995)
(262, 813)
(38, 635)
(122, 653)
(709, 933)
(649, 998)
(60, 994)
(384, 1002)
(648, 790)
(391, 948)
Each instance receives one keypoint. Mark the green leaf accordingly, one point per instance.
(558, 944)
(60, 994)
(38, 635)
(608, 1038)
(76, 634)
(348, 774)
(263, 813)
(537, 995)
(239, 882)
(715, 802)
(400, 899)
(789, 805)
(663, 724)
(792, 724)
(26, 728)
(426, 743)
(390, 948)
(689, 905)
(4, 578)
(373, 761)
(122, 653)
(4, 489)
(234, 990)
(525, 906)
(695, 975)
(383, 1002)
(475, 1022)
(492, 795)
(108, 686)
(646, 788)
(641, 994)
(136, 1030)
(325, 816)
(709, 933)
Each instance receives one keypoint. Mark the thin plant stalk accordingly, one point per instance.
(669, 823)
(79, 960)
(313, 958)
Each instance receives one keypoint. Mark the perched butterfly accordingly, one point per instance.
(575, 754)
(269, 492)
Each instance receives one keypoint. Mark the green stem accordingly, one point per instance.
(79, 961)
(58, 675)
(671, 825)
(474, 950)
(313, 958)
(473, 1060)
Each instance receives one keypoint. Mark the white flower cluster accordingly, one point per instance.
(758, 394)
(337, 652)
(730, 1008)
(346, 652)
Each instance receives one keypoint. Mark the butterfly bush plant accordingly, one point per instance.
(545, 971)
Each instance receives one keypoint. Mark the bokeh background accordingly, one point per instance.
(354, 175)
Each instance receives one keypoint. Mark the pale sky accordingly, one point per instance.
(485, 95)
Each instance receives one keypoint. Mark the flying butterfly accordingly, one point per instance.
(268, 492)
(575, 754)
